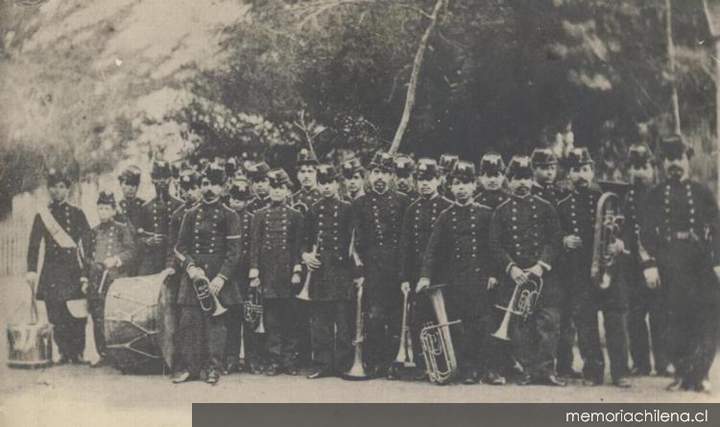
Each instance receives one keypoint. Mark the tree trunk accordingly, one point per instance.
(712, 14)
(671, 58)
(414, 76)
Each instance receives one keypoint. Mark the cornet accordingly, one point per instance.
(522, 303)
(209, 302)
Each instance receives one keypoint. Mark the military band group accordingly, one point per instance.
(507, 266)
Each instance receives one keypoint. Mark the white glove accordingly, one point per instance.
(572, 241)
(216, 285)
(84, 285)
(111, 262)
(652, 277)
(405, 287)
(168, 271)
(422, 284)
(717, 271)
(518, 275)
(295, 279)
(195, 273)
(536, 270)
(311, 260)
(492, 283)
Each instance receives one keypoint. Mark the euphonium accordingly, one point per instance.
(405, 355)
(608, 222)
(438, 350)
(209, 302)
(253, 310)
(522, 303)
(357, 371)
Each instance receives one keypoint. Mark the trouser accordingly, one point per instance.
(475, 350)
(304, 316)
(693, 341)
(96, 308)
(280, 318)
(201, 340)
(68, 331)
(648, 303)
(233, 326)
(535, 341)
(566, 337)
(331, 338)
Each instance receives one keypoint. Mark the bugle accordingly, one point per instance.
(436, 340)
(209, 302)
(405, 356)
(522, 303)
(357, 371)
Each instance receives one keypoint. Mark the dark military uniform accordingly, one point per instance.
(644, 302)
(258, 203)
(525, 231)
(303, 199)
(680, 229)
(551, 193)
(328, 231)
(584, 299)
(155, 218)
(377, 222)
(235, 320)
(491, 199)
(209, 239)
(60, 277)
(457, 255)
(275, 251)
(108, 239)
(129, 211)
(411, 194)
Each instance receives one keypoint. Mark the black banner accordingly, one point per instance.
(452, 415)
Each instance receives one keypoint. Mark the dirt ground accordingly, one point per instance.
(78, 395)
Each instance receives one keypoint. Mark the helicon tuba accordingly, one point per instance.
(522, 303)
(209, 302)
(608, 223)
(436, 340)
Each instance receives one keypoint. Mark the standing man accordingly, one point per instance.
(377, 218)
(492, 179)
(130, 205)
(577, 217)
(275, 255)
(258, 174)
(308, 193)
(644, 301)
(208, 246)
(524, 237)
(328, 231)
(457, 255)
(405, 171)
(110, 250)
(62, 227)
(679, 229)
(353, 179)
(154, 222)
(545, 170)
(417, 227)
(447, 165)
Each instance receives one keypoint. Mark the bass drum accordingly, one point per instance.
(134, 325)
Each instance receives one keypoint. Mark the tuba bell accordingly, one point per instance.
(608, 223)
(522, 303)
(209, 302)
(436, 341)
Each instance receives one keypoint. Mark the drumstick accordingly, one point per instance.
(102, 281)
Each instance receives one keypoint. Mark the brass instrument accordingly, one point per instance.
(305, 291)
(436, 340)
(405, 355)
(209, 302)
(522, 303)
(357, 371)
(253, 310)
(608, 223)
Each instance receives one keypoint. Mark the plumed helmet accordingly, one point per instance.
(578, 157)
(543, 157)
(463, 171)
(520, 167)
(383, 161)
(161, 170)
(326, 173)
(404, 166)
(640, 155)
(130, 176)
(427, 169)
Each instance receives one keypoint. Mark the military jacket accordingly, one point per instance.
(303, 199)
(491, 199)
(377, 220)
(129, 211)
(631, 225)
(328, 231)
(258, 203)
(155, 218)
(577, 216)
(209, 239)
(457, 253)
(275, 248)
(549, 192)
(243, 266)
(173, 232)
(62, 267)
(412, 194)
(418, 224)
(110, 239)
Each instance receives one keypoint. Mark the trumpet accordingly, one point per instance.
(357, 371)
(253, 310)
(405, 355)
(522, 303)
(209, 302)
(438, 350)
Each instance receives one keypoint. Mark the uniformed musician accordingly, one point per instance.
(492, 180)
(110, 250)
(208, 246)
(377, 218)
(308, 193)
(129, 207)
(577, 217)
(257, 172)
(326, 253)
(405, 176)
(353, 176)
(679, 229)
(457, 255)
(62, 227)
(644, 302)
(275, 256)
(524, 237)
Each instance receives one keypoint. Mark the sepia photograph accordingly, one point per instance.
(359, 202)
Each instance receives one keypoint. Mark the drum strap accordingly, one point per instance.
(61, 237)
